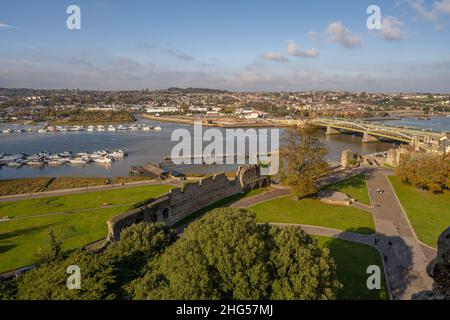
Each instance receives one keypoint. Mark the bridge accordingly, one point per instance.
(375, 132)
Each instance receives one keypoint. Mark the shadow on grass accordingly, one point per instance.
(362, 230)
(180, 225)
(358, 181)
(21, 232)
(351, 259)
(5, 248)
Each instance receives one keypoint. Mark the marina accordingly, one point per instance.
(45, 158)
(81, 128)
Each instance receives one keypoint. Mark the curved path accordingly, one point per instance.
(403, 253)
(405, 257)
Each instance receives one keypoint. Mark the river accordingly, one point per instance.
(143, 147)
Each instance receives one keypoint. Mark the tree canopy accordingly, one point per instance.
(425, 171)
(227, 255)
(224, 255)
(303, 160)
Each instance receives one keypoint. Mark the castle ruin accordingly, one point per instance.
(179, 203)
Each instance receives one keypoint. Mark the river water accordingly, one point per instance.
(143, 147)
(438, 124)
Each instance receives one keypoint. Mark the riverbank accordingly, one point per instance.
(221, 122)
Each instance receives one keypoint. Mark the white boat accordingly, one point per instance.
(78, 161)
(65, 154)
(91, 128)
(157, 129)
(36, 163)
(106, 159)
(14, 164)
(146, 128)
(42, 131)
(111, 128)
(100, 128)
(57, 162)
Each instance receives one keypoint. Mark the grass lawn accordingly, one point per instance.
(313, 212)
(20, 239)
(40, 184)
(355, 187)
(352, 260)
(429, 213)
(220, 204)
(90, 200)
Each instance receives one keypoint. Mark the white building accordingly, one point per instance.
(160, 110)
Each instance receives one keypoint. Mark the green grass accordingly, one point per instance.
(20, 239)
(355, 187)
(313, 212)
(352, 260)
(40, 184)
(429, 213)
(219, 204)
(38, 206)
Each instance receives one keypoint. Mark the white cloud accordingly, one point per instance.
(439, 8)
(392, 29)
(294, 50)
(442, 7)
(7, 26)
(275, 56)
(338, 33)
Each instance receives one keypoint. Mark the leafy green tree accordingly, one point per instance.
(227, 255)
(302, 160)
(146, 239)
(49, 281)
(51, 252)
(303, 271)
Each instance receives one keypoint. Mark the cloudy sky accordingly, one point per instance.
(234, 44)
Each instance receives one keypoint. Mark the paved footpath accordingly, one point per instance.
(404, 256)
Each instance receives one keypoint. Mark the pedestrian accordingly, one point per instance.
(382, 192)
(378, 190)
(376, 241)
(390, 245)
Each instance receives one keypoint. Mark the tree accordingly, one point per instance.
(51, 252)
(302, 160)
(48, 282)
(425, 171)
(227, 255)
(303, 270)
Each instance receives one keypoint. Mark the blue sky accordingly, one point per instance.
(236, 45)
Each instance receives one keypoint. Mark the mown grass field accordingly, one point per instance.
(313, 212)
(32, 185)
(429, 213)
(220, 204)
(355, 187)
(21, 237)
(352, 260)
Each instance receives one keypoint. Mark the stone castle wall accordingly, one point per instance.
(180, 203)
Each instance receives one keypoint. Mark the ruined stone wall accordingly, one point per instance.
(394, 156)
(180, 203)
